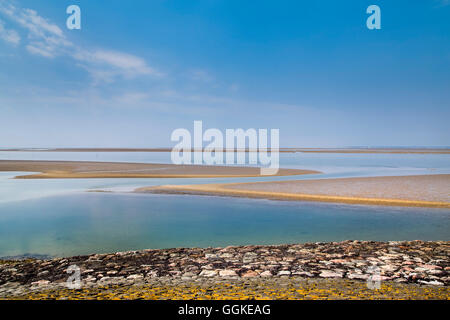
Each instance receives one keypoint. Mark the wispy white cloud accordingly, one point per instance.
(105, 65)
(9, 35)
(198, 92)
(40, 49)
(44, 38)
(37, 25)
(48, 40)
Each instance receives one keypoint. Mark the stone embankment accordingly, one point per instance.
(411, 262)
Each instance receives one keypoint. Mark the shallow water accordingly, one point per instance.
(98, 222)
(57, 217)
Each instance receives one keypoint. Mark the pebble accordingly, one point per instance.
(228, 273)
(330, 274)
(249, 274)
(208, 273)
(266, 273)
(40, 283)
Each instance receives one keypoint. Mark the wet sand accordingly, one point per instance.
(420, 191)
(86, 169)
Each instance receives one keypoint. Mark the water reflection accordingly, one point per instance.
(93, 222)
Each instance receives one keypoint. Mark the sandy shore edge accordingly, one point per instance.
(247, 190)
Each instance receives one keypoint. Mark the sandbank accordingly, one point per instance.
(419, 191)
(87, 169)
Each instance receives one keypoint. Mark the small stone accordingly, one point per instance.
(40, 283)
(338, 261)
(433, 283)
(430, 267)
(228, 273)
(90, 279)
(389, 268)
(249, 274)
(435, 272)
(358, 276)
(266, 273)
(330, 274)
(208, 273)
(104, 279)
(284, 273)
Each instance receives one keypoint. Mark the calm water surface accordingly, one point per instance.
(98, 222)
(57, 217)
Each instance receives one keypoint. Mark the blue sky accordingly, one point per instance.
(137, 70)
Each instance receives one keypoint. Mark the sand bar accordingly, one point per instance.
(86, 169)
(420, 191)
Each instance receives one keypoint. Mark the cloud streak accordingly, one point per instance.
(106, 65)
(48, 40)
(8, 35)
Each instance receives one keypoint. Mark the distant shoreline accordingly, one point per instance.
(282, 150)
(408, 191)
